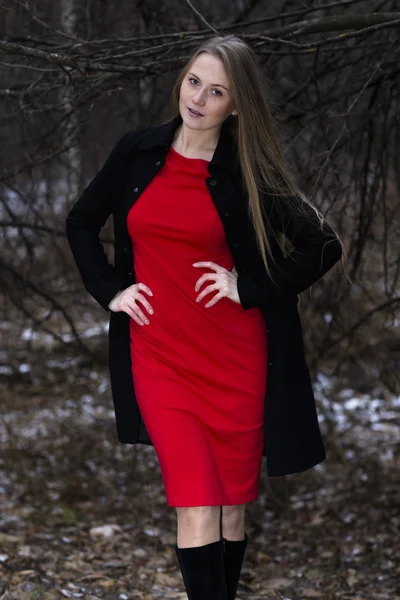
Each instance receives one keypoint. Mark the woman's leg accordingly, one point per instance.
(233, 522)
(200, 552)
(198, 525)
(235, 540)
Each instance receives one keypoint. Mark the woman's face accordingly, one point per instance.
(205, 88)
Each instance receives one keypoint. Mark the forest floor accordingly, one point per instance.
(82, 516)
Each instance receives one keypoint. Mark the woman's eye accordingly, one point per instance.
(215, 89)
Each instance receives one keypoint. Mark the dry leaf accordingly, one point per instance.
(277, 583)
(6, 538)
(311, 593)
(314, 575)
(104, 530)
(166, 580)
(108, 583)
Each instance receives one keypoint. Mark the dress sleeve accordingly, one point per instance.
(84, 222)
(315, 252)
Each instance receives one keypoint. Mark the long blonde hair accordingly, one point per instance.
(255, 130)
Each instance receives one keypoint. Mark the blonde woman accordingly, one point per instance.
(213, 243)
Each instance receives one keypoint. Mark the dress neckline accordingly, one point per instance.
(203, 160)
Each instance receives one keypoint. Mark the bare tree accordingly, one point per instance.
(75, 78)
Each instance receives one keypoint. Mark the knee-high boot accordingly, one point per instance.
(203, 571)
(233, 560)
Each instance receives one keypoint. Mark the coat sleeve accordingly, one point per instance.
(315, 251)
(84, 222)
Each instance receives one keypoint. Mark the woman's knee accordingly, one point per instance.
(233, 518)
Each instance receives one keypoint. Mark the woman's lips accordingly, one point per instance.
(193, 114)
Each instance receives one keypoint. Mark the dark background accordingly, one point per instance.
(75, 76)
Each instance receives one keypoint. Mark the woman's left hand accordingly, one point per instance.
(223, 280)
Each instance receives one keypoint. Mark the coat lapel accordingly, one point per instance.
(225, 154)
(149, 157)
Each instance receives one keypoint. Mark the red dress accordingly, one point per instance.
(199, 373)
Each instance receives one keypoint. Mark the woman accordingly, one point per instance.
(213, 242)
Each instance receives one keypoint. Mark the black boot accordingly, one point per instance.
(233, 557)
(203, 572)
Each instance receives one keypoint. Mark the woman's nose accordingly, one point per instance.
(199, 97)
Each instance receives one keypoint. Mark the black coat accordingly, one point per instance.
(293, 441)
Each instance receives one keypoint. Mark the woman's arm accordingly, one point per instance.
(315, 251)
(85, 220)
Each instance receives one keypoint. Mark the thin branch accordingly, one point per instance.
(200, 16)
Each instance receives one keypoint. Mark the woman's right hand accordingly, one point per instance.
(125, 301)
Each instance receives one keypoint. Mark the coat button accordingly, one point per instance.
(236, 245)
(125, 249)
(213, 182)
(136, 189)
(130, 273)
(227, 214)
(245, 270)
(158, 163)
(270, 364)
